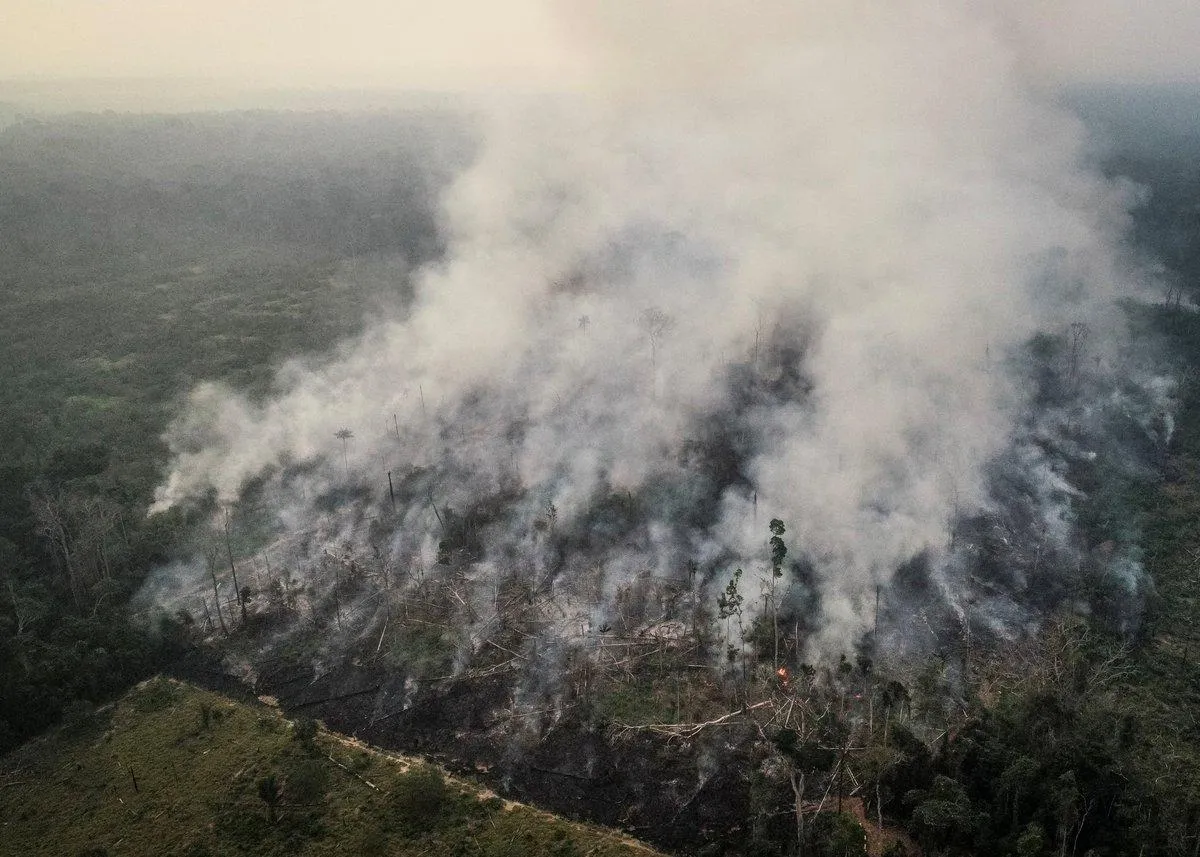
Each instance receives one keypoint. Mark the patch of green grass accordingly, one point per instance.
(667, 696)
(634, 703)
(174, 770)
(423, 650)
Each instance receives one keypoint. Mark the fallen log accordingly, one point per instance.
(337, 698)
(690, 730)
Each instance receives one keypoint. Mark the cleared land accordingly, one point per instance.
(172, 769)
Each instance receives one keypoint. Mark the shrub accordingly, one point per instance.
(269, 792)
(838, 834)
(421, 802)
(1032, 842)
(304, 733)
(307, 782)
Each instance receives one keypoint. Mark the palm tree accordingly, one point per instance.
(344, 435)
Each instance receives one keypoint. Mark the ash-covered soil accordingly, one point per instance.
(688, 795)
(677, 794)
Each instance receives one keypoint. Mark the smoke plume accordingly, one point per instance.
(781, 260)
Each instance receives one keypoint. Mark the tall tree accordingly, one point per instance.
(778, 552)
(344, 434)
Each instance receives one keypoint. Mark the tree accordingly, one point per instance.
(304, 733)
(27, 610)
(1017, 779)
(729, 604)
(307, 782)
(344, 435)
(1032, 842)
(656, 324)
(210, 557)
(78, 527)
(1066, 801)
(806, 758)
(270, 793)
(1079, 334)
(778, 552)
(838, 834)
(419, 800)
(241, 596)
(943, 814)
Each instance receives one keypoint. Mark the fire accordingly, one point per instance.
(784, 675)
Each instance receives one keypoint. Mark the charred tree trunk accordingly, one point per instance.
(797, 780)
(212, 571)
(237, 590)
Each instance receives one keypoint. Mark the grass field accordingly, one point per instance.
(174, 770)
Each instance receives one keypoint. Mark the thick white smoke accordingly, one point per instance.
(826, 228)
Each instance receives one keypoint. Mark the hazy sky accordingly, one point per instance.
(1139, 41)
(284, 42)
(467, 44)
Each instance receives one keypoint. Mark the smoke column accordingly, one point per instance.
(780, 260)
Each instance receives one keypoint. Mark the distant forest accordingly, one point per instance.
(139, 255)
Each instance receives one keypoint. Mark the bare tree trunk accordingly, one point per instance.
(208, 622)
(775, 620)
(337, 602)
(49, 515)
(124, 532)
(798, 790)
(104, 556)
(237, 590)
(212, 571)
(1079, 829)
(438, 514)
(875, 632)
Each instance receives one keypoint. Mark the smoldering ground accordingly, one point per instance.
(841, 266)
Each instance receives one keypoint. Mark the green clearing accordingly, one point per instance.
(174, 770)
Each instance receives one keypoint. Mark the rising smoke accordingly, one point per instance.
(782, 260)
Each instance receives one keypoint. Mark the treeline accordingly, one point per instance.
(74, 550)
(103, 192)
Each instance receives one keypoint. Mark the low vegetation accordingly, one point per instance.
(174, 770)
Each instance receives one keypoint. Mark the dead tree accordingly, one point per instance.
(77, 526)
(211, 558)
(656, 324)
(778, 552)
(237, 590)
(344, 435)
(1078, 333)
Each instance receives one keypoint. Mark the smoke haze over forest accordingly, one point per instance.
(766, 427)
(783, 265)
